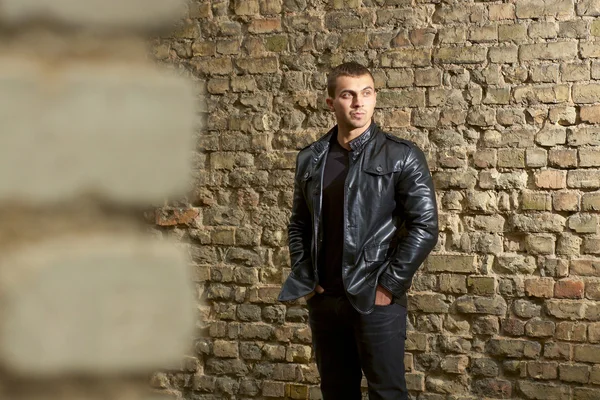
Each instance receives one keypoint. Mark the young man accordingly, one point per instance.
(364, 217)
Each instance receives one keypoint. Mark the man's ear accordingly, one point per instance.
(329, 102)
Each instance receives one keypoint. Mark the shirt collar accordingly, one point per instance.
(359, 142)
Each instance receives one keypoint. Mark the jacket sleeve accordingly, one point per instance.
(416, 196)
(301, 280)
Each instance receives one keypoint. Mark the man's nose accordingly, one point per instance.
(358, 101)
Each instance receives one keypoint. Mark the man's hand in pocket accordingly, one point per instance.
(383, 297)
(318, 290)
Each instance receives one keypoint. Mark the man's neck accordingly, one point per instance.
(345, 136)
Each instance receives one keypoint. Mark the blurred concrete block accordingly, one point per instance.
(123, 131)
(95, 304)
(131, 14)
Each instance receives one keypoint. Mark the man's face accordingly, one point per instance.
(354, 102)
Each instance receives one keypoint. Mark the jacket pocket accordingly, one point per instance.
(380, 179)
(375, 255)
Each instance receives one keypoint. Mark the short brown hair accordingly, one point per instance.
(352, 68)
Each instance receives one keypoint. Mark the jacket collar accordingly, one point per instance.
(357, 145)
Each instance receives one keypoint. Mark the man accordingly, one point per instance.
(364, 217)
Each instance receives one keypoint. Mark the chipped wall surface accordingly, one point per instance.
(503, 96)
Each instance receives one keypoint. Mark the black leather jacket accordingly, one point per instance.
(390, 217)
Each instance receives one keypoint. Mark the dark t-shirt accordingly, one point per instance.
(334, 179)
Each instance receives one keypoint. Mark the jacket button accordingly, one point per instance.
(379, 169)
(305, 175)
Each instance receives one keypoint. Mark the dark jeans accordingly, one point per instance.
(346, 341)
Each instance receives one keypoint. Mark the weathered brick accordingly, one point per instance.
(536, 157)
(565, 309)
(451, 283)
(551, 179)
(537, 327)
(585, 267)
(265, 25)
(557, 350)
(416, 341)
(565, 201)
(429, 303)
(415, 381)
(511, 158)
(455, 364)
(589, 179)
(548, 51)
(590, 114)
(486, 33)
(586, 353)
(547, 73)
(594, 332)
(574, 373)
(536, 201)
(481, 305)
(584, 223)
(586, 93)
(595, 374)
(513, 348)
(588, 8)
(451, 263)
(539, 287)
(540, 243)
(258, 65)
(589, 158)
(482, 285)
(583, 136)
(428, 77)
(543, 391)
(401, 98)
(562, 158)
(509, 180)
(543, 30)
(398, 58)
(513, 327)
(568, 244)
(573, 29)
(583, 393)
(592, 290)
(273, 389)
(512, 33)
(571, 331)
(499, 12)
(542, 370)
(538, 8)
(460, 55)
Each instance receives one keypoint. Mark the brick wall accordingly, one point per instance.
(91, 131)
(503, 96)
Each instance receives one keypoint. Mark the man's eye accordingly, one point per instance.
(367, 93)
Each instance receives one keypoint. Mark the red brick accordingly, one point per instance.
(590, 114)
(265, 25)
(569, 289)
(175, 216)
(539, 287)
(513, 327)
(551, 179)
